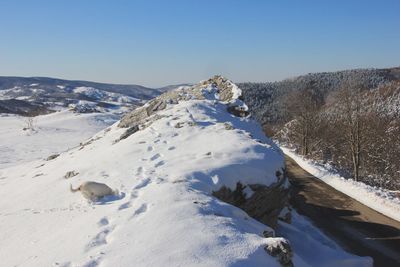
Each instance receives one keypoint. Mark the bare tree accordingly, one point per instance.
(304, 105)
(350, 101)
(30, 121)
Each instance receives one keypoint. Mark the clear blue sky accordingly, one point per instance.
(156, 43)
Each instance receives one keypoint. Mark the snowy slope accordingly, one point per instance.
(164, 214)
(53, 133)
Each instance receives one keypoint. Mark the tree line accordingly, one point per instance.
(355, 127)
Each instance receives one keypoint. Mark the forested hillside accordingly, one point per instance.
(350, 119)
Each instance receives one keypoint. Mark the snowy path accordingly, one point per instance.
(358, 228)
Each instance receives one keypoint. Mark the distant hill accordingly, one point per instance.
(266, 100)
(39, 95)
(349, 119)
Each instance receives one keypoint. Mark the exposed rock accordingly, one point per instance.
(264, 205)
(238, 111)
(228, 126)
(70, 174)
(286, 215)
(51, 157)
(224, 88)
(281, 250)
(268, 234)
(179, 125)
(131, 130)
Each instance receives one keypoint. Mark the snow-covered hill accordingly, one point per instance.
(168, 160)
(38, 95)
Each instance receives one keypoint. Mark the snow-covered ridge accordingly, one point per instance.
(166, 159)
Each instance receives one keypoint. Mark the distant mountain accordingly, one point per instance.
(173, 86)
(39, 95)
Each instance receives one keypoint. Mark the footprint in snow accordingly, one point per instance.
(93, 262)
(156, 156)
(134, 194)
(125, 206)
(150, 148)
(103, 221)
(140, 210)
(159, 164)
(140, 170)
(62, 264)
(171, 148)
(142, 184)
(100, 239)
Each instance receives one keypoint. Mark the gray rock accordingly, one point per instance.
(129, 132)
(268, 234)
(264, 205)
(70, 174)
(51, 157)
(228, 126)
(238, 111)
(282, 251)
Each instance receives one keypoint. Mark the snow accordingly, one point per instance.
(54, 133)
(376, 198)
(164, 215)
(90, 92)
(314, 248)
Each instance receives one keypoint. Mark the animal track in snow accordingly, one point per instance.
(93, 262)
(134, 194)
(140, 210)
(171, 148)
(125, 206)
(150, 148)
(159, 164)
(156, 156)
(140, 170)
(100, 239)
(142, 183)
(103, 221)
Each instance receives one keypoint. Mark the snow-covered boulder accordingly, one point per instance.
(166, 212)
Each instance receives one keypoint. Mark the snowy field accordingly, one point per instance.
(53, 133)
(373, 197)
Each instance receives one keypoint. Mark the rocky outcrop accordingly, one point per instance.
(281, 250)
(264, 205)
(142, 117)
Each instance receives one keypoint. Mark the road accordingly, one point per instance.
(357, 228)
